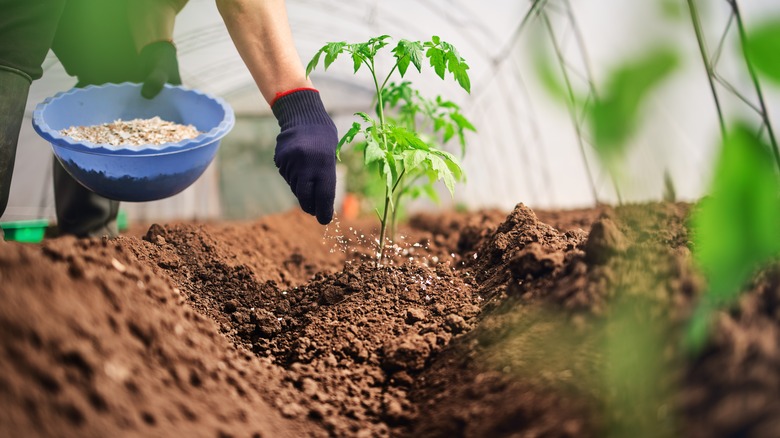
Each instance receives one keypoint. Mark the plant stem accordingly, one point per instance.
(572, 103)
(383, 226)
(754, 78)
(707, 64)
(388, 192)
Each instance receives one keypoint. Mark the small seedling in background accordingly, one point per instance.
(736, 229)
(615, 114)
(394, 148)
(670, 193)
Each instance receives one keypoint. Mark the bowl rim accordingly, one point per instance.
(58, 140)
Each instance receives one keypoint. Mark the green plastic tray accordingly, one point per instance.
(30, 231)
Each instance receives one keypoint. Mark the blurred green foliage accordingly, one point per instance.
(635, 372)
(763, 43)
(615, 115)
(736, 229)
(671, 9)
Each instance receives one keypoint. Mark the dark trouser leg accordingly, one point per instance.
(14, 86)
(26, 32)
(79, 211)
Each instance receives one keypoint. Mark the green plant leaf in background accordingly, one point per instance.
(737, 229)
(763, 47)
(615, 115)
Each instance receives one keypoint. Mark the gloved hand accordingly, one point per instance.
(159, 64)
(306, 150)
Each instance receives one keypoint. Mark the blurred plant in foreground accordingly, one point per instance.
(737, 229)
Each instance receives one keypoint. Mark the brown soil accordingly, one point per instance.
(481, 324)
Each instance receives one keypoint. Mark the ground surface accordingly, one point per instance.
(482, 324)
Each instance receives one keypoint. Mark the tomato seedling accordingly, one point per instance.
(393, 145)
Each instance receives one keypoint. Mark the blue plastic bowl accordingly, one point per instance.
(137, 175)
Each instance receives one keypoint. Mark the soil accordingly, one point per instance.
(555, 323)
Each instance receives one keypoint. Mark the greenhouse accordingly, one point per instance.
(416, 218)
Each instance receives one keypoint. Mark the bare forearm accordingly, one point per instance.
(261, 32)
(152, 20)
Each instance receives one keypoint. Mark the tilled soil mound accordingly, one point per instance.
(480, 324)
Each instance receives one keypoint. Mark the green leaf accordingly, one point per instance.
(736, 228)
(407, 52)
(763, 44)
(615, 115)
(365, 117)
(449, 132)
(438, 124)
(313, 63)
(436, 57)
(373, 152)
(462, 122)
(357, 61)
(407, 139)
(332, 51)
(436, 39)
(443, 172)
(459, 68)
(377, 44)
(347, 138)
(413, 158)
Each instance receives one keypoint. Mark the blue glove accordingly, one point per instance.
(306, 150)
(160, 66)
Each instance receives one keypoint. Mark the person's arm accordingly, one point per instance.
(306, 146)
(151, 23)
(261, 32)
(152, 20)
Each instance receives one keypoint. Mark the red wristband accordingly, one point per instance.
(281, 94)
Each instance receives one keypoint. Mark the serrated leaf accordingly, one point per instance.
(437, 60)
(407, 52)
(407, 139)
(455, 168)
(332, 51)
(459, 68)
(377, 44)
(365, 117)
(357, 61)
(462, 122)
(373, 152)
(413, 158)
(435, 39)
(313, 63)
(347, 138)
(443, 172)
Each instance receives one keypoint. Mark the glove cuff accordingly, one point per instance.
(300, 106)
(158, 46)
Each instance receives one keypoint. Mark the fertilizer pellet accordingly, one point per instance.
(137, 132)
